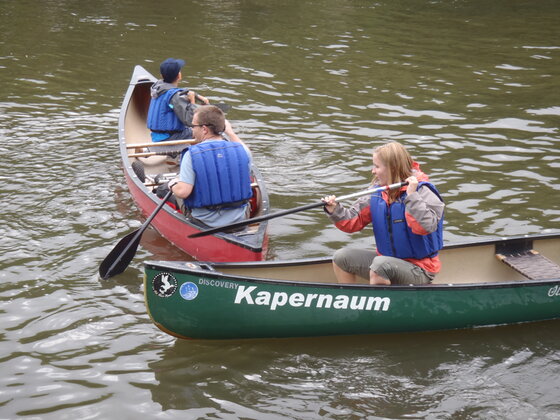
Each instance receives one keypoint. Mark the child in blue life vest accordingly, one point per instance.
(407, 224)
(171, 108)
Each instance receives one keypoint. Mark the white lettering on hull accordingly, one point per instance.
(218, 283)
(276, 300)
(554, 291)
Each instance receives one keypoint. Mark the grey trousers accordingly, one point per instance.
(361, 261)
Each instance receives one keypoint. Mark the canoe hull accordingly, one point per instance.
(172, 226)
(191, 300)
(250, 245)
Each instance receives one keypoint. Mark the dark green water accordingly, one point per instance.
(470, 87)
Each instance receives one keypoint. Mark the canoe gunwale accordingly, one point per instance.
(163, 266)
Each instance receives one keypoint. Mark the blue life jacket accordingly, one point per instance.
(394, 238)
(223, 178)
(161, 117)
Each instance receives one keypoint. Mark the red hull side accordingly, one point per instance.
(208, 248)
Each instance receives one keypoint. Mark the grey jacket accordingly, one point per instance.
(182, 108)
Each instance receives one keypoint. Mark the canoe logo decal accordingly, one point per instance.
(188, 290)
(164, 284)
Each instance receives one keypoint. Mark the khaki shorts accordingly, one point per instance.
(398, 271)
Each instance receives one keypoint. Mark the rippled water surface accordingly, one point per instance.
(470, 87)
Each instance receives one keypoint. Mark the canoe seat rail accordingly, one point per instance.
(521, 257)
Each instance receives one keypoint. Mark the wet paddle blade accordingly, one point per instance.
(121, 256)
(224, 107)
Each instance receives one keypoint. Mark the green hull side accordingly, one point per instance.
(203, 306)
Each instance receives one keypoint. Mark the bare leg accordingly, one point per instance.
(343, 276)
(375, 278)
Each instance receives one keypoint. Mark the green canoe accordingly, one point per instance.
(491, 282)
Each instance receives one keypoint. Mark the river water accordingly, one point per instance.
(470, 87)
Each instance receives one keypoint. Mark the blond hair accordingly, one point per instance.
(398, 162)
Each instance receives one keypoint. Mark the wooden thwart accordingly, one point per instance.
(531, 264)
(148, 154)
(161, 143)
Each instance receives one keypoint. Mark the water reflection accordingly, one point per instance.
(368, 374)
(469, 87)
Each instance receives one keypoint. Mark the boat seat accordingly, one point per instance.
(531, 264)
(154, 165)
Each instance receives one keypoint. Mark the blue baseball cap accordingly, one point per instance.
(170, 68)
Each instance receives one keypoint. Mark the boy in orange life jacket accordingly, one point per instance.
(407, 224)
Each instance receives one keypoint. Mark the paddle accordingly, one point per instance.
(246, 222)
(121, 255)
(224, 107)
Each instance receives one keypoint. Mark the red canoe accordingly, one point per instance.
(144, 169)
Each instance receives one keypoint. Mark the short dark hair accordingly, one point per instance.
(212, 117)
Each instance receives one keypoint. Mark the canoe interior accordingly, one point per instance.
(137, 114)
(138, 133)
(463, 263)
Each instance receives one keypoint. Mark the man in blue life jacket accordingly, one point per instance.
(215, 175)
(171, 107)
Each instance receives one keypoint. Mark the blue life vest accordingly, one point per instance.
(394, 238)
(223, 178)
(161, 117)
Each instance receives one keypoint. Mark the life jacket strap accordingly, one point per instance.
(231, 205)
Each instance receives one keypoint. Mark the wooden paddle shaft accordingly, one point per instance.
(161, 143)
(148, 154)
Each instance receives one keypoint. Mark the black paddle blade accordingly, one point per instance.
(121, 255)
(224, 107)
